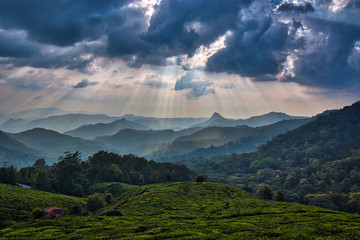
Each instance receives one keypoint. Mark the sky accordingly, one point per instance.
(180, 58)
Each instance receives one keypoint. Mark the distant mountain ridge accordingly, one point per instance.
(61, 123)
(164, 123)
(92, 131)
(217, 140)
(141, 142)
(255, 121)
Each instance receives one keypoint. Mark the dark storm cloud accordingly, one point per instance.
(178, 27)
(290, 7)
(13, 45)
(256, 48)
(329, 63)
(58, 22)
(85, 83)
(264, 34)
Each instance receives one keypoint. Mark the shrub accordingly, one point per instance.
(36, 213)
(94, 202)
(76, 209)
(109, 198)
(200, 178)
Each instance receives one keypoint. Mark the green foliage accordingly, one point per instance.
(247, 189)
(94, 202)
(200, 178)
(18, 203)
(36, 213)
(76, 209)
(40, 163)
(194, 211)
(72, 176)
(320, 158)
(266, 193)
(279, 196)
(109, 198)
(168, 177)
(42, 181)
(8, 175)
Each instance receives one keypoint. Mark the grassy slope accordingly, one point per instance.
(195, 211)
(18, 203)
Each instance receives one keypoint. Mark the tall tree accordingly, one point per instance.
(266, 193)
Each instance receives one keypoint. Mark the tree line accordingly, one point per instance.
(72, 176)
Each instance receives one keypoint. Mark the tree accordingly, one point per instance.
(279, 196)
(94, 202)
(42, 181)
(8, 175)
(168, 177)
(200, 178)
(247, 189)
(67, 171)
(154, 177)
(266, 193)
(40, 163)
(68, 168)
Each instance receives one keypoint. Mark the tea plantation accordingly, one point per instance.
(186, 211)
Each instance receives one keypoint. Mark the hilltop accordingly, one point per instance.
(193, 211)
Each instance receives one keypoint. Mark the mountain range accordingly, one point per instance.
(256, 121)
(90, 133)
(63, 121)
(60, 123)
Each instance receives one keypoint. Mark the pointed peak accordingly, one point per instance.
(216, 116)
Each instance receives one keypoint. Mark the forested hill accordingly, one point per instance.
(320, 157)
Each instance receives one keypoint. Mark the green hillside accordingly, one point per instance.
(194, 211)
(18, 202)
(317, 163)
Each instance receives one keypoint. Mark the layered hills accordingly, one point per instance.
(61, 123)
(213, 141)
(51, 144)
(92, 131)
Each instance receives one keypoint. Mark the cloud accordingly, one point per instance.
(85, 83)
(153, 81)
(256, 48)
(58, 22)
(197, 88)
(328, 54)
(14, 45)
(291, 7)
(227, 86)
(311, 43)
